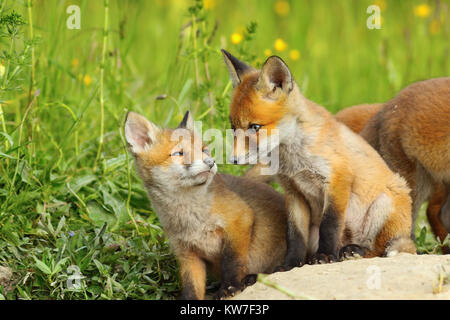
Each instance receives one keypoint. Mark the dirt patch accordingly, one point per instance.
(404, 276)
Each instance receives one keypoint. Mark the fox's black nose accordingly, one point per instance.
(210, 162)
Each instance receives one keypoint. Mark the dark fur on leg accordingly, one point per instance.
(233, 272)
(296, 249)
(188, 292)
(329, 233)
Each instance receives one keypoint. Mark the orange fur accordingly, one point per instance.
(356, 118)
(232, 225)
(322, 160)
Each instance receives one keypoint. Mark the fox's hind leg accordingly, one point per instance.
(445, 210)
(438, 214)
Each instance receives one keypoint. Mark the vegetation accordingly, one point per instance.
(69, 198)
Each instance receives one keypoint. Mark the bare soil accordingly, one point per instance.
(403, 276)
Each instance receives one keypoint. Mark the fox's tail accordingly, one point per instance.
(400, 244)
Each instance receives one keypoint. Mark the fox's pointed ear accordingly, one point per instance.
(275, 75)
(236, 67)
(139, 132)
(187, 122)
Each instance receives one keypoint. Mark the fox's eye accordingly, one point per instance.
(255, 127)
(177, 154)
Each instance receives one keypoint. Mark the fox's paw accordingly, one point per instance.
(249, 280)
(287, 266)
(226, 292)
(351, 251)
(321, 258)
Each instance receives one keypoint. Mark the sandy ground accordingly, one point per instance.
(404, 276)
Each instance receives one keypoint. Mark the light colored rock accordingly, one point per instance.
(403, 276)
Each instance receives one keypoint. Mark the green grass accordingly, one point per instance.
(69, 194)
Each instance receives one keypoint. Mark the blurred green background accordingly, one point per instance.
(68, 192)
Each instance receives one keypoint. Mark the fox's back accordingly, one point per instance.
(416, 124)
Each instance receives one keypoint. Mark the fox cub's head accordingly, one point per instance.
(169, 158)
(261, 103)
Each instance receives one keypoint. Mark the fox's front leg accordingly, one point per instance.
(193, 276)
(332, 227)
(234, 264)
(297, 231)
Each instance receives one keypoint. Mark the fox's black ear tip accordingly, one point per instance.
(128, 115)
(226, 53)
(184, 122)
(276, 59)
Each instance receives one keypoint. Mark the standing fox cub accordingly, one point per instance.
(341, 196)
(412, 134)
(234, 226)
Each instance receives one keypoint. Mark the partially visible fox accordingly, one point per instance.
(357, 117)
(232, 225)
(412, 134)
(340, 194)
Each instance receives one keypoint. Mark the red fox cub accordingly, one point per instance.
(341, 196)
(412, 134)
(232, 225)
(356, 118)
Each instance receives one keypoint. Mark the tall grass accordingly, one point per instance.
(68, 193)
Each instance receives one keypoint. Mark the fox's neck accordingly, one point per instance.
(306, 111)
(301, 129)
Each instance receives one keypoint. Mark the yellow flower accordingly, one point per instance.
(209, 4)
(267, 52)
(2, 70)
(236, 38)
(381, 4)
(435, 26)
(87, 80)
(294, 54)
(280, 45)
(75, 62)
(422, 10)
(282, 8)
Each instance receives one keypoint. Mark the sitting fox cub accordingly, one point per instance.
(232, 225)
(355, 201)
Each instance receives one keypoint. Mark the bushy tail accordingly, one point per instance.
(400, 244)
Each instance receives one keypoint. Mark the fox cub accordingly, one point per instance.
(412, 134)
(231, 225)
(381, 132)
(341, 196)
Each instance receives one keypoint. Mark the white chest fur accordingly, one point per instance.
(187, 220)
